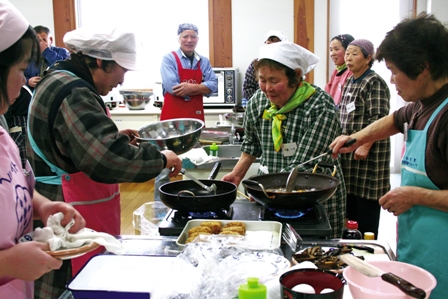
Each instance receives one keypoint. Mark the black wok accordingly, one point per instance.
(188, 196)
(317, 187)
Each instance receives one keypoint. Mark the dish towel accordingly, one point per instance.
(58, 236)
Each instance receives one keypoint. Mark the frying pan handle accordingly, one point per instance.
(346, 144)
(215, 170)
(404, 285)
(256, 184)
(325, 165)
(186, 191)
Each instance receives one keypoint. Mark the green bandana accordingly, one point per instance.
(341, 67)
(302, 93)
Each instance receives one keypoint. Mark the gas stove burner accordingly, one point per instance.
(182, 216)
(283, 215)
(288, 214)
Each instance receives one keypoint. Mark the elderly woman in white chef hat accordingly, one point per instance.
(77, 151)
(290, 121)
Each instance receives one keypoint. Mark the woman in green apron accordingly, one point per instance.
(416, 54)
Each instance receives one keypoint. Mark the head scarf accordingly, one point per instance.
(365, 45)
(105, 44)
(281, 36)
(12, 25)
(345, 39)
(187, 26)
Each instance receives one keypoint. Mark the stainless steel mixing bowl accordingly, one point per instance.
(235, 118)
(136, 99)
(179, 134)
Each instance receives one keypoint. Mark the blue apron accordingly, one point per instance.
(423, 231)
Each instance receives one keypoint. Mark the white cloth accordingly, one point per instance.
(281, 36)
(12, 25)
(290, 55)
(58, 236)
(106, 44)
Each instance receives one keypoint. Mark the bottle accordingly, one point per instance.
(351, 231)
(214, 150)
(252, 290)
(369, 236)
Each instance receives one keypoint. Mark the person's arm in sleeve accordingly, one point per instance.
(53, 54)
(250, 84)
(169, 73)
(210, 80)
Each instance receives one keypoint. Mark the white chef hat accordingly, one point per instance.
(281, 36)
(12, 25)
(290, 55)
(105, 44)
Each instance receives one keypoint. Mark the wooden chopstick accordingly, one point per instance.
(244, 195)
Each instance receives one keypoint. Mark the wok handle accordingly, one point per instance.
(404, 285)
(346, 144)
(215, 170)
(256, 184)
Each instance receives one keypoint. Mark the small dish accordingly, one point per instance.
(66, 254)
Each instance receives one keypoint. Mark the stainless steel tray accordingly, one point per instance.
(265, 232)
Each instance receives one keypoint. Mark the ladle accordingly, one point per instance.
(291, 181)
(210, 189)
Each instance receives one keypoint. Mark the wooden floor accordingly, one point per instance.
(133, 195)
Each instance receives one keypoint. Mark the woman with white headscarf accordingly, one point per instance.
(290, 121)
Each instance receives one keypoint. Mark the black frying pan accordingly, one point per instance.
(188, 196)
(319, 188)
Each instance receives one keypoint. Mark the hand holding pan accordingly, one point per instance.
(291, 181)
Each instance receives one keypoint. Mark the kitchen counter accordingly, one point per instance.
(134, 119)
(167, 246)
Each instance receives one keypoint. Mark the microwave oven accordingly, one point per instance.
(228, 92)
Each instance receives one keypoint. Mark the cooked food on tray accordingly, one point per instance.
(324, 259)
(237, 229)
(201, 229)
(215, 227)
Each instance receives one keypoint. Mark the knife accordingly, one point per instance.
(372, 271)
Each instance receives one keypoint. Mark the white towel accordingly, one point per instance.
(58, 236)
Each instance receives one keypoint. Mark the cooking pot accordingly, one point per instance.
(310, 188)
(188, 196)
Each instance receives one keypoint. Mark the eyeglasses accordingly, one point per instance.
(187, 36)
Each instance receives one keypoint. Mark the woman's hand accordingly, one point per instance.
(132, 134)
(398, 200)
(173, 162)
(44, 208)
(27, 261)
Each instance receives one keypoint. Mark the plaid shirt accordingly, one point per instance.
(370, 178)
(312, 126)
(250, 83)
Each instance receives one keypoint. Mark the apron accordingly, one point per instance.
(422, 231)
(178, 107)
(98, 203)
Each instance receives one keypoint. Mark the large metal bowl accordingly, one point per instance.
(235, 118)
(136, 99)
(179, 134)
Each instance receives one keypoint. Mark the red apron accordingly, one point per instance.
(178, 107)
(98, 203)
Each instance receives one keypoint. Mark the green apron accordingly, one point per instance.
(423, 231)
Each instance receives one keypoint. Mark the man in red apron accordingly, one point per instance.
(186, 78)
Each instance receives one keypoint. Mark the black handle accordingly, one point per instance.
(346, 144)
(404, 285)
(215, 171)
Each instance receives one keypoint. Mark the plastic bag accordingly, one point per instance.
(147, 217)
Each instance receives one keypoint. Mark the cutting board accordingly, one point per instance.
(119, 276)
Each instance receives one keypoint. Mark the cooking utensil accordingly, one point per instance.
(243, 195)
(179, 135)
(136, 99)
(372, 271)
(290, 182)
(317, 188)
(292, 238)
(210, 189)
(235, 118)
(188, 196)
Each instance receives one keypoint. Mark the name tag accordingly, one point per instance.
(289, 149)
(351, 107)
